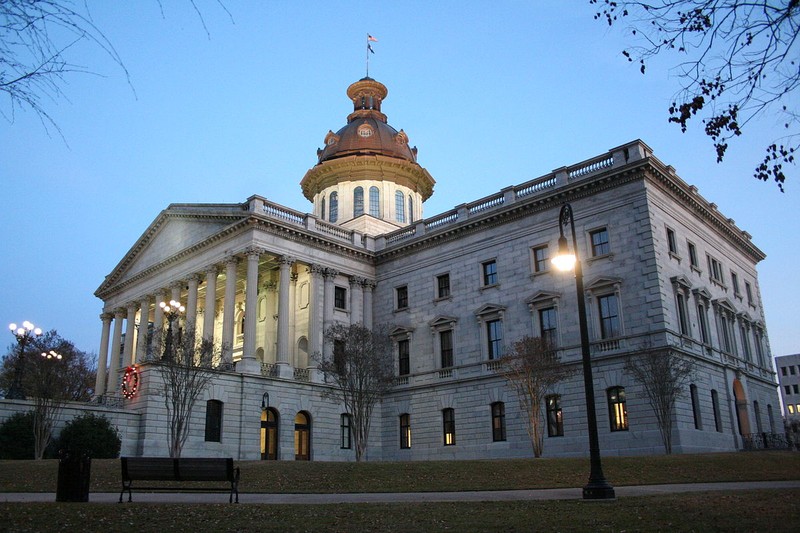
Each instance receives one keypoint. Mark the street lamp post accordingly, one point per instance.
(597, 488)
(172, 310)
(24, 335)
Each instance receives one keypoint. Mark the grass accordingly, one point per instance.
(752, 510)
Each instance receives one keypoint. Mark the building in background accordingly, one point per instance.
(788, 370)
(663, 270)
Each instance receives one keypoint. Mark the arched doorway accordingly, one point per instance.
(741, 407)
(302, 436)
(269, 434)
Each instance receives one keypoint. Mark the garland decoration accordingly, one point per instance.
(130, 382)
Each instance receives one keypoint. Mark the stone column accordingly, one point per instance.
(191, 307)
(292, 319)
(327, 315)
(176, 291)
(141, 339)
(210, 312)
(158, 325)
(129, 357)
(248, 364)
(284, 369)
(113, 368)
(369, 286)
(102, 358)
(356, 300)
(229, 310)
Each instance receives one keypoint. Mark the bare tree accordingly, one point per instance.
(533, 367)
(185, 374)
(362, 370)
(738, 60)
(664, 374)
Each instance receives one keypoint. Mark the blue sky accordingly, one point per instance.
(492, 93)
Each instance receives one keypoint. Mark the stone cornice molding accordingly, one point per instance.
(106, 317)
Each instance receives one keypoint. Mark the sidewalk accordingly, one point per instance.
(400, 497)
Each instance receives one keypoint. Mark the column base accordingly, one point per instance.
(284, 370)
(248, 366)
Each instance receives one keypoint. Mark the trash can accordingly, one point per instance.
(73, 477)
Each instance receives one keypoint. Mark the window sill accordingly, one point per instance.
(675, 256)
(609, 256)
(492, 286)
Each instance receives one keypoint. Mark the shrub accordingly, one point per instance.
(16, 437)
(91, 435)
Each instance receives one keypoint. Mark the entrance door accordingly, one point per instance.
(269, 434)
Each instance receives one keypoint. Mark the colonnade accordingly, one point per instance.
(301, 313)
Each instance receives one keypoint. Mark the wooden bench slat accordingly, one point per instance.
(182, 469)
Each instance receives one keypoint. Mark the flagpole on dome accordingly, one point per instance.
(370, 38)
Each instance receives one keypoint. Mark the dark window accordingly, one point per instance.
(787, 389)
(692, 254)
(403, 357)
(374, 202)
(541, 258)
(443, 286)
(783, 370)
(322, 208)
(358, 201)
(683, 321)
(498, 421)
(735, 283)
(701, 316)
(410, 209)
(617, 410)
(673, 245)
(402, 297)
(715, 270)
(757, 412)
(791, 370)
(715, 406)
(446, 347)
(748, 356)
(213, 421)
(494, 336)
(698, 421)
(490, 272)
(599, 242)
(547, 326)
(555, 419)
(609, 316)
(346, 433)
(726, 334)
(405, 431)
(449, 426)
(339, 357)
(334, 207)
(748, 289)
(340, 298)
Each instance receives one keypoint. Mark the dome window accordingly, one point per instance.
(365, 131)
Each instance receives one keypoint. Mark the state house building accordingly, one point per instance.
(663, 269)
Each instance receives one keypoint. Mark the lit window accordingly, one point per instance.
(405, 431)
(790, 407)
(555, 420)
(489, 272)
(599, 242)
(617, 410)
(402, 297)
(541, 259)
(609, 316)
(346, 433)
(498, 421)
(449, 426)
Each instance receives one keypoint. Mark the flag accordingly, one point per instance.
(371, 38)
(370, 48)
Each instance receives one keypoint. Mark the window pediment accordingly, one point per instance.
(702, 293)
(401, 331)
(603, 282)
(681, 281)
(726, 304)
(443, 322)
(490, 309)
(542, 297)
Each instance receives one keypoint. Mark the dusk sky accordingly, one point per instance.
(492, 93)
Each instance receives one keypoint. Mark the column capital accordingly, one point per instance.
(106, 317)
(194, 277)
(131, 306)
(330, 273)
(357, 280)
(286, 260)
(253, 251)
(294, 277)
(212, 270)
(120, 312)
(370, 284)
(316, 269)
(231, 260)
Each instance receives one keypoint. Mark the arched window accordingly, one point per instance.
(399, 207)
(213, 421)
(410, 209)
(375, 202)
(302, 436)
(322, 209)
(269, 434)
(334, 207)
(617, 410)
(358, 202)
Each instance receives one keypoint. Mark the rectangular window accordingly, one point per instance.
(683, 321)
(735, 283)
(446, 347)
(783, 370)
(489, 272)
(715, 270)
(748, 289)
(346, 434)
(402, 297)
(449, 426)
(494, 337)
(213, 421)
(726, 337)
(795, 389)
(715, 406)
(498, 421)
(617, 410)
(791, 370)
(405, 431)
(340, 298)
(698, 422)
(703, 321)
(339, 360)
(555, 420)
(547, 326)
(787, 389)
(609, 316)
(403, 357)
(748, 356)
(671, 242)
(790, 408)
(443, 286)
(599, 242)
(541, 259)
(692, 254)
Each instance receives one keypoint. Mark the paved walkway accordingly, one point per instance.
(398, 497)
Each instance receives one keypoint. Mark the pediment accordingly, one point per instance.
(442, 321)
(702, 293)
(602, 282)
(401, 331)
(725, 304)
(489, 309)
(682, 281)
(176, 231)
(542, 297)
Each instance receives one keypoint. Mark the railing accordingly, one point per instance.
(493, 365)
(591, 166)
(405, 233)
(765, 441)
(335, 231)
(269, 370)
(537, 185)
(402, 380)
(278, 211)
(109, 400)
(605, 346)
(487, 203)
(302, 374)
(446, 373)
(441, 220)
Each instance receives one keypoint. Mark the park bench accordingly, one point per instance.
(178, 470)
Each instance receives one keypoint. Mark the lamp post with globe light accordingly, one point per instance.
(597, 488)
(24, 334)
(172, 311)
